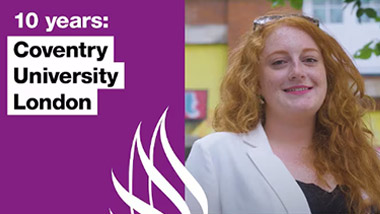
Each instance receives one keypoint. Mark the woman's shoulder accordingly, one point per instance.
(218, 140)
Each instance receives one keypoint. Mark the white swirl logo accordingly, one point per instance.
(157, 178)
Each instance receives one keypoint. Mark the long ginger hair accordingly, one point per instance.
(342, 143)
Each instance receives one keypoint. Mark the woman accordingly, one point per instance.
(291, 136)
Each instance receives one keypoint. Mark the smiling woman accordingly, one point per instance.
(293, 76)
(290, 138)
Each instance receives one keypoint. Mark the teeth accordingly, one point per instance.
(296, 89)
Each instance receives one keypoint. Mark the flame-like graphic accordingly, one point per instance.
(157, 178)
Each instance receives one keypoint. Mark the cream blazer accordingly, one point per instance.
(241, 175)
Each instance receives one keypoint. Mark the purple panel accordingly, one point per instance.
(62, 164)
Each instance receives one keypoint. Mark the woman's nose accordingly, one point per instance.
(296, 71)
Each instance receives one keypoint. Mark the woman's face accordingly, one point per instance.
(293, 75)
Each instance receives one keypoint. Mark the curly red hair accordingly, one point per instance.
(342, 142)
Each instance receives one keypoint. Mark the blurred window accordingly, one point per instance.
(328, 11)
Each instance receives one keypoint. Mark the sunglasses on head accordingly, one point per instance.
(265, 19)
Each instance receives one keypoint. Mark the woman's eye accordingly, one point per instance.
(279, 62)
(310, 60)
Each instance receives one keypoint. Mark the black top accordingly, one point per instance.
(321, 201)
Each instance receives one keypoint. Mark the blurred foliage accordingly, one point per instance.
(366, 52)
(297, 4)
(372, 47)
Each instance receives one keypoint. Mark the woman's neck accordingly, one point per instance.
(289, 131)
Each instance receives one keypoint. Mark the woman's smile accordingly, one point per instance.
(298, 89)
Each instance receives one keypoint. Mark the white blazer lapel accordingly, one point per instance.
(275, 172)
